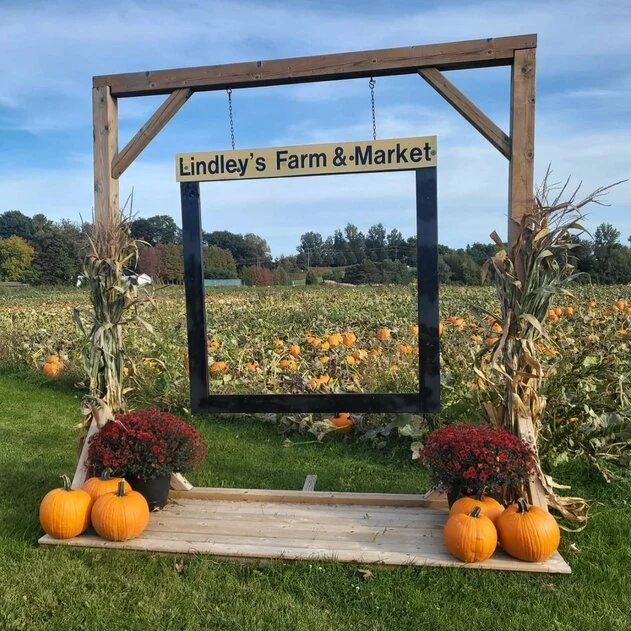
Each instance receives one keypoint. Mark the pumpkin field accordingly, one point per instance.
(318, 339)
(343, 339)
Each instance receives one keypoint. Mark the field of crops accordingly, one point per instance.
(323, 339)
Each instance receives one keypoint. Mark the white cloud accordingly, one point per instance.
(50, 50)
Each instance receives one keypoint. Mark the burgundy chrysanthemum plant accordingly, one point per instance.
(478, 459)
(146, 444)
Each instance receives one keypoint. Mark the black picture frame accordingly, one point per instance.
(425, 401)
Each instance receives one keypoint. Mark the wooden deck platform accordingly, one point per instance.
(390, 529)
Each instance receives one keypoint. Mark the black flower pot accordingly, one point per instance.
(155, 490)
(454, 493)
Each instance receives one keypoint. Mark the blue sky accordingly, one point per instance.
(50, 50)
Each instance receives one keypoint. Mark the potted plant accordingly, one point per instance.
(145, 447)
(467, 459)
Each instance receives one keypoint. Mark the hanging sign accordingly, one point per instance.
(397, 154)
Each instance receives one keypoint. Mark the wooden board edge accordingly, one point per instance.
(554, 565)
(309, 497)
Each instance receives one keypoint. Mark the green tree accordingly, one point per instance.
(311, 251)
(16, 256)
(15, 223)
(58, 251)
(375, 243)
(397, 247)
(356, 243)
(156, 229)
(248, 275)
(281, 277)
(311, 278)
(219, 263)
(171, 267)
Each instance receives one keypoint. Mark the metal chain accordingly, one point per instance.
(371, 84)
(229, 91)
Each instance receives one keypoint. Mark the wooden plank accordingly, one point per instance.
(338, 533)
(81, 472)
(469, 110)
(105, 117)
(392, 61)
(323, 521)
(180, 483)
(311, 497)
(522, 131)
(349, 511)
(149, 131)
(310, 483)
(431, 557)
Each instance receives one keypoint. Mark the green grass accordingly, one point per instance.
(62, 588)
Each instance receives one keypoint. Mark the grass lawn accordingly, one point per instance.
(61, 588)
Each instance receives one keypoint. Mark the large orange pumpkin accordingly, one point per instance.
(470, 537)
(105, 483)
(65, 512)
(527, 532)
(120, 516)
(488, 506)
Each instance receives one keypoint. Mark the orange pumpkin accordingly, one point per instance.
(53, 366)
(470, 537)
(217, 367)
(120, 516)
(343, 422)
(490, 508)
(527, 532)
(348, 339)
(65, 512)
(105, 483)
(294, 350)
(383, 333)
(568, 311)
(441, 328)
(335, 339)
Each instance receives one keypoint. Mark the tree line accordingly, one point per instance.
(40, 251)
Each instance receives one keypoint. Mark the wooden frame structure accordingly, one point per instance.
(428, 61)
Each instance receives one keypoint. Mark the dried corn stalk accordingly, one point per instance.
(116, 293)
(527, 279)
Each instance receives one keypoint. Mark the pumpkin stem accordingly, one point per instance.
(121, 489)
(106, 473)
(475, 512)
(66, 480)
(522, 506)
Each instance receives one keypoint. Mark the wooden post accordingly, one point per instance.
(522, 132)
(105, 117)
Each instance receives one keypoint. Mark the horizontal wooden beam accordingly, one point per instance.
(390, 61)
(469, 110)
(149, 131)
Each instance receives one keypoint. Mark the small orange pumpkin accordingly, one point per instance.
(527, 532)
(120, 516)
(335, 339)
(217, 367)
(383, 333)
(343, 422)
(348, 339)
(490, 507)
(53, 366)
(470, 537)
(105, 483)
(65, 512)
(294, 350)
